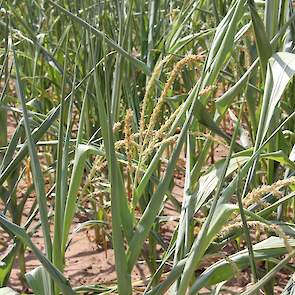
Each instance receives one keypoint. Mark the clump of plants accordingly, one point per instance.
(102, 103)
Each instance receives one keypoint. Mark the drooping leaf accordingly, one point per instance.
(226, 269)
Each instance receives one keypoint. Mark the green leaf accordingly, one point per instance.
(280, 157)
(223, 41)
(6, 264)
(101, 35)
(280, 70)
(55, 274)
(38, 179)
(208, 182)
(262, 41)
(224, 270)
(38, 280)
(82, 153)
(255, 287)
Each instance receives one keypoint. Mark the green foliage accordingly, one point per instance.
(109, 99)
